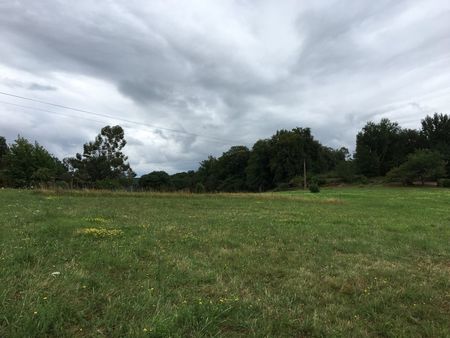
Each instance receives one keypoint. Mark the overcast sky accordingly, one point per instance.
(230, 70)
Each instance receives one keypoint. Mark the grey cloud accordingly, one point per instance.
(11, 83)
(37, 86)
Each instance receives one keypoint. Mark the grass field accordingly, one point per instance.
(360, 262)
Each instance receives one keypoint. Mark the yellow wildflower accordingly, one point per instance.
(100, 232)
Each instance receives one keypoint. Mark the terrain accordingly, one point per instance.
(359, 261)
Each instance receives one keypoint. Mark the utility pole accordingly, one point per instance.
(304, 174)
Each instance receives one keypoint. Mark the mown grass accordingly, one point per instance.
(345, 262)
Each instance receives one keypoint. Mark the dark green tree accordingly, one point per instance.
(409, 140)
(258, 174)
(156, 180)
(28, 164)
(436, 135)
(376, 146)
(183, 180)
(4, 149)
(288, 151)
(329, 158)
(231, 169)
(103, 163)
(346, 171)
(207, 174)
(422, 165)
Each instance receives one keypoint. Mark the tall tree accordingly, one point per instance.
(259, 175)
(288, 151)
(207, 174)
(329, 158)
(102, 159)
(436, 134)
(231, 168)
(376, 148)
(3, 149)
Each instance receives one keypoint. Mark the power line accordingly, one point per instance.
(87, 119)
(50, 112)
(75, 117)
(224, 141)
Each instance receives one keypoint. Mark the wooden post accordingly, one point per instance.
(304, 174)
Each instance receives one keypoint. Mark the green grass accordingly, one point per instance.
(361, 262)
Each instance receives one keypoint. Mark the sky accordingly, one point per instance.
(186, 79)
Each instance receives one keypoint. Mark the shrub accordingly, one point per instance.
(362, 179)
(444, 183)
(314, 188)
(199, 188)
(319, 180)
(282, 187)
(346, 170)
(422, 165)
(296, 182)
(61, 185)
(108, 184)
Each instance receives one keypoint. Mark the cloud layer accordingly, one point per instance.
(229, 70)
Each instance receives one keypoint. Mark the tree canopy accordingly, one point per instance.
(27, 164)
(382, 148)
(436, 135)
(420, 166)
(102, 162)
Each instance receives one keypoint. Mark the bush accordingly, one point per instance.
(199, 188)
(61, 185)
(319, 180)
(362, 179)
(314, 188)
(422, 165)
(346, 170)
(296, 182)
(444, 183)
(282, 187)
(108, 184)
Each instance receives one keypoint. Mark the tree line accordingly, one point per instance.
(383, 149)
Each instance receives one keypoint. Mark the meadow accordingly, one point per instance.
(347, 262)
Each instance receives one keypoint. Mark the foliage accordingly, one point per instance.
(346, 170)
(422, 165)
(156, 180)
(296, 182)
(3, 150)
(270, 164)
(436, 134)
(231, 169)
(207, 174)
(314, 188)
(375, 148)
(289, 149)
(183, 181)
(199, 188)
(102, 160)
(283, 186)
(444, 182)
(27, 164)
(258, 174)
